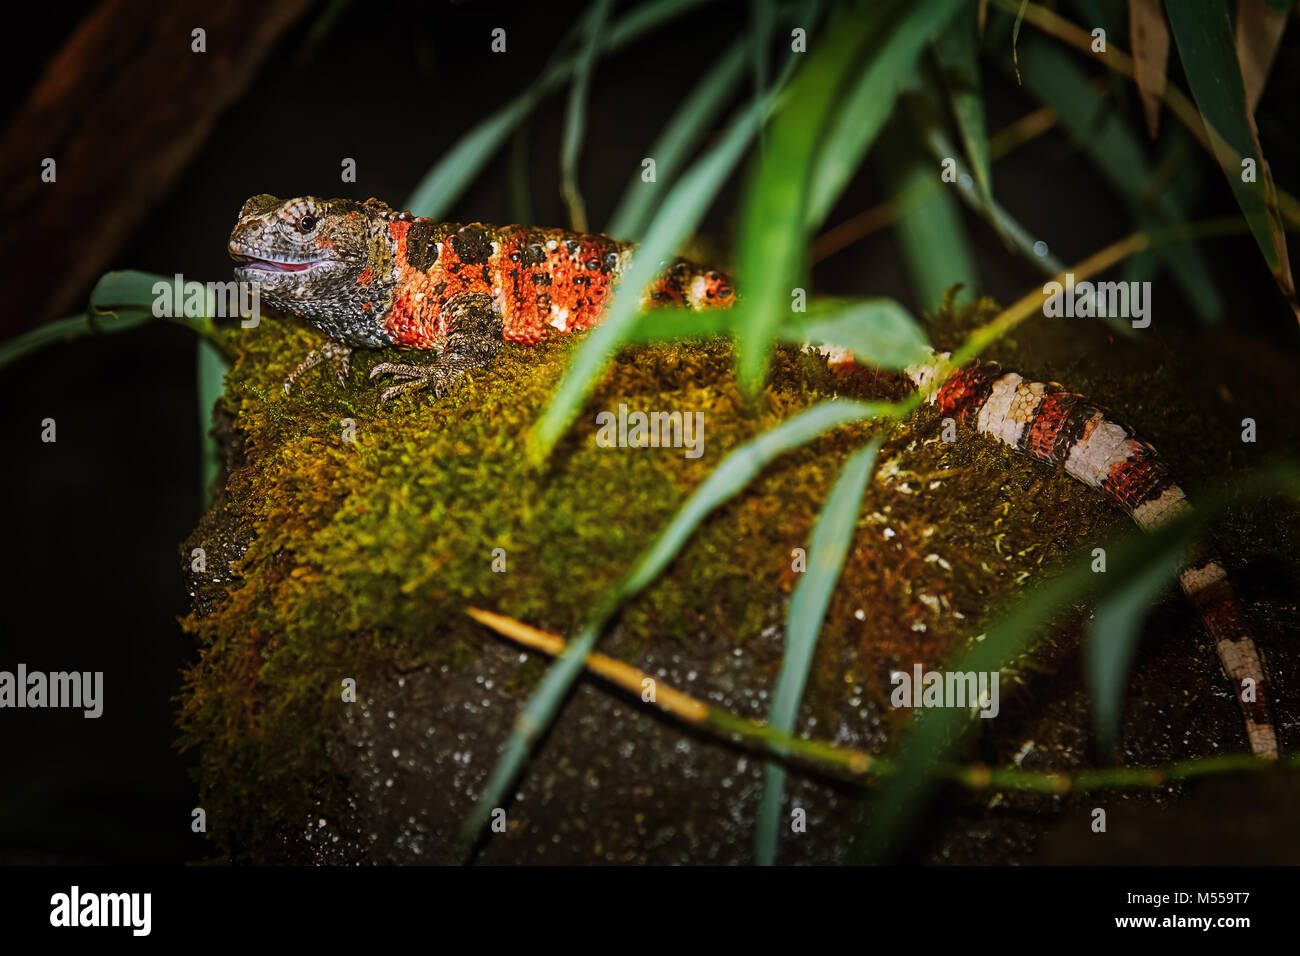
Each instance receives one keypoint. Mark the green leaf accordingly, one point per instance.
(1015, 37)
(1203, 32)
(521, 203)
(134, 291)
(443, 184)
(816, 144)
(879, 332)
(211, 375)
(668, 325)
(827, 549)
(120, 301)
(128, 289)
(688, 124)
(900, 32)
(957, 55)
(1112, 641)
(762, 20)
(929, 227)
(941, 148)
(69, 329)
(736, 471)
(727, 480)
(675, 142)
(575, 117)
(773, 230)
(682, 210)
(1054, 79)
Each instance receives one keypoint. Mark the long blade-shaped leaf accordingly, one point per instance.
(957, 55)
(727, 480)
(826, 552)
(677, 218)
(1203, 32)
(1149, 39)
(773, 231)
(689, 123)
(929, 227)
(210, 381)
(575, 117)
(68, 329)
(900, 32)
(762, 21)
(1112, 641)
(679, 136)
(942, 148)
(1053, 78)
(1259, 32)
(120, 301)
(443, 184)
(878, 332)
(816, 144)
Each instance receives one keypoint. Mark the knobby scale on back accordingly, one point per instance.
(371, 277)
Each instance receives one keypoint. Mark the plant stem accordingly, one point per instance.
(858, 763)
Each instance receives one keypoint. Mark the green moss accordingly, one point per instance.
(364, 553)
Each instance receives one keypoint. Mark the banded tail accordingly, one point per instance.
(1048, 423)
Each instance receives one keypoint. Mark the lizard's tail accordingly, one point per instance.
(1048, 423)
(687, 284)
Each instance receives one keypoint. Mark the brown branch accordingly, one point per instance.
(121, 108)
(858, 763)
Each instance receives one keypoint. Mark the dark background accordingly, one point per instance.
(90, 564)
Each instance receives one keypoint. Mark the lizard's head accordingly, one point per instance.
(314, 257)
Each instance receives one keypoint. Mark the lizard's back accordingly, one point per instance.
(371, 276)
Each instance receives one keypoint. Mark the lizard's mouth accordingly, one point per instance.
(254, 264)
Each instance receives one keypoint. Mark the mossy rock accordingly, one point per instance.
(347, 540)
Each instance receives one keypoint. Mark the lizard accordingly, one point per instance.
(369, 276)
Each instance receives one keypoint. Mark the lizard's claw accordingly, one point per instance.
(439, 376)
(310, 362)
(410, 378)
(338, 354)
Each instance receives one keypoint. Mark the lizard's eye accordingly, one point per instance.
(306, 223)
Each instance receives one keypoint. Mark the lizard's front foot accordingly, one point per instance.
(339, 356)
(438, 375)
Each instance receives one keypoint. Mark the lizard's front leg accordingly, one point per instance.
(474, 341)
(338, 354)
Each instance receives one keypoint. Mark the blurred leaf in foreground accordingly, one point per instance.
(1203, 32)
(827, 549)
